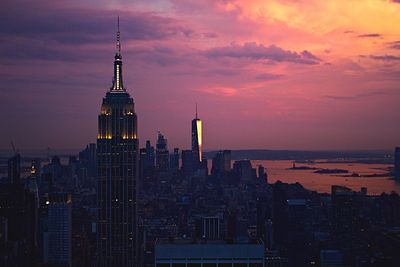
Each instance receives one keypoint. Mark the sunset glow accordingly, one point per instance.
(267, 74)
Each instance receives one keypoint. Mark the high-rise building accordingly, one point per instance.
(262, 174)
(185, 252)
(397, 164)
(197, 146)
(57, 241)
(18, 208)
(221, 163)
(187, 162)
(31, 185)
(243, 170)
(87, 160)
(162, 154)
(150, 158)
(14, 169)
(174, 160)
(208, 228)
(117, 161)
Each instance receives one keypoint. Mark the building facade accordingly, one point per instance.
(184, 253)
(117, 161)
(162, 153)
(57, 241)
(397, 164)
(197, 141)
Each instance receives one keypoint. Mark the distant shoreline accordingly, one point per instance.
(367, 157)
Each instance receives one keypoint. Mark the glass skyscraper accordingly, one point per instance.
(117, 161)
(197, 141)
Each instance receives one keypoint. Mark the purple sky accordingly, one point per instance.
(265, 74)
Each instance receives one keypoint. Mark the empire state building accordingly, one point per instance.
(117, 159)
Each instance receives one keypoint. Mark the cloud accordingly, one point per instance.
(50, 31)
(256, 51)
(357, 96)
(268, 76)
(385, 57)
(369, 35)
(72, 25)
(221, 91)
(395, 44)
(158, 54)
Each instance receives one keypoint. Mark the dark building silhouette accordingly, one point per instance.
(397, 164)
(208, 228)
(87, 164)
(162, 154)
(262, 174)
(117, 160)
(197, 142)
(187, 162)
(243, 170)
(279, 214)
(57, 240)
(231, 219)
(174, 160)
(14, 169)
(150, 158)
(221, 163)
(18, 219)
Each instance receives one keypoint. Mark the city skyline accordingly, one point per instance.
(261, 78)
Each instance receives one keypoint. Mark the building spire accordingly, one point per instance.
(118, 49)
(117, 85)
(196, 110)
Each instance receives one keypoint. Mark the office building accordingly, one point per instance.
(150, 158)
(197, 141)
(243, 170)
(57, 240)
(117, 161)
(211, 254)
(174, 160)
(162, 154)
(331, 258)
(187, 162)
(208, 228)
(397, 164)
(221, 163)
(14, 169)
(18, 211)
(262, 174)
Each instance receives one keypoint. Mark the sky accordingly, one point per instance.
(289, 74)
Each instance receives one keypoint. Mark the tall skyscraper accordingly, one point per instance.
(14, 169)
(221, 163)
(117, 161)
(197, 140)
(174, 160)
(58, 237)
(162, 154)
(150, 158)
(187, 162)
(397, 164)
